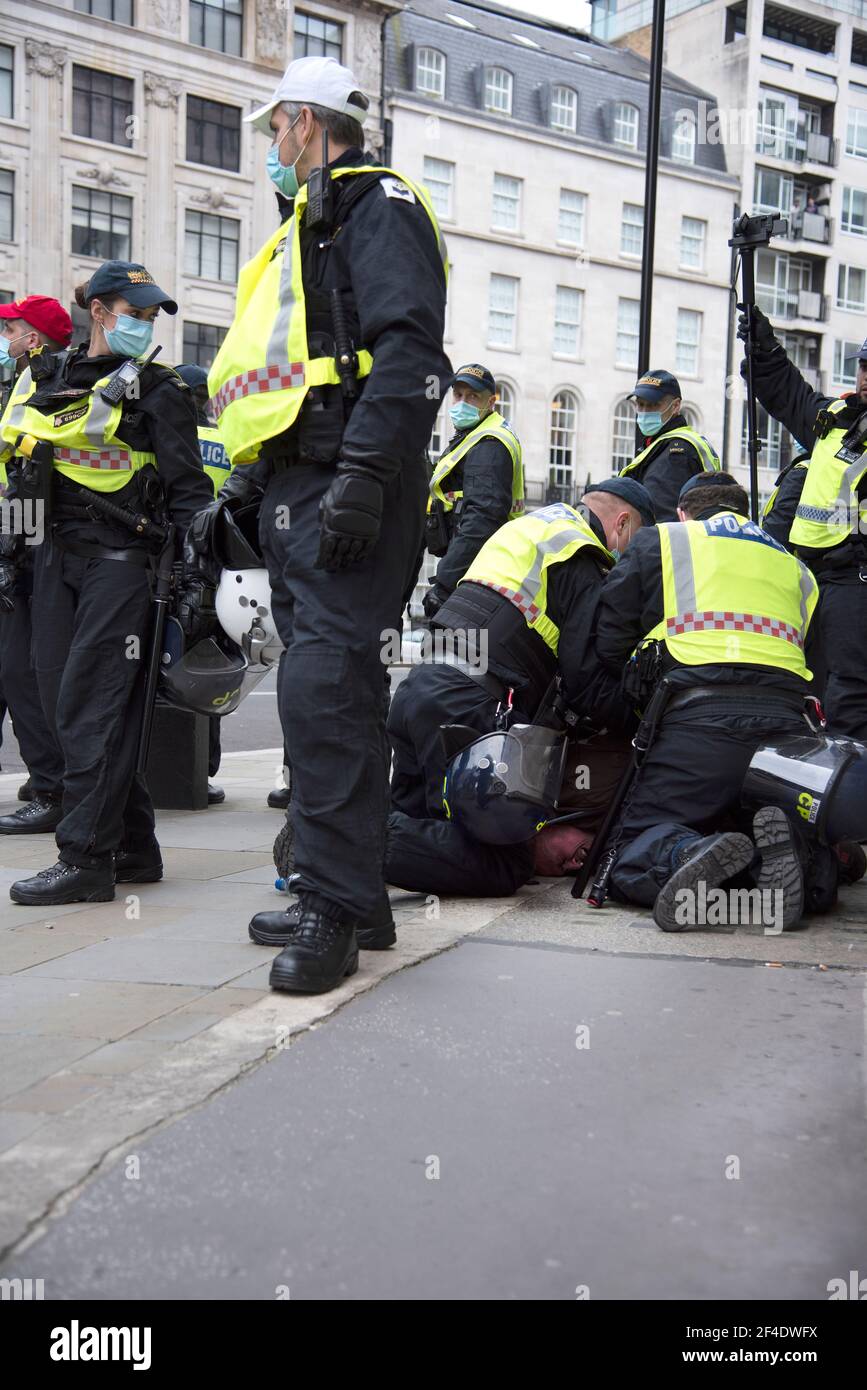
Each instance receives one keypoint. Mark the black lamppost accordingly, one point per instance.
(650, 179)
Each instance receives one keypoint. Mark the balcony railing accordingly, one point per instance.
(791, 304)
(797, 145)
(808, 226)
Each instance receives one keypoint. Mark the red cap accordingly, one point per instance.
(46, 315)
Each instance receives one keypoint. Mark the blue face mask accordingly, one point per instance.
(464, 415)
(6, 358)
(283, 176)
(130, 337)
(649, 421)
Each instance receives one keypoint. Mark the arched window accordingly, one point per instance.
(623, 436)
(506, 402)
(498, 91)
(683, 139)
(430, 72)
(564, 109)
(626, 125)
(564, 430)
(690, 414)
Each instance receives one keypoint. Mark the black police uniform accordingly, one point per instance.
(485, 477)
(35, 740)
(382, 255)
(437, 693)
(842, 611)
(92, 614)
(691, 780)
(668, 467)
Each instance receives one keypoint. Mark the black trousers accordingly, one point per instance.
(37, 744)
(690, 786)
(435, 856)
(91, 620)
(338, 630)
(842, 619)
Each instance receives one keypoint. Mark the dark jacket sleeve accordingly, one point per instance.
(666, 474)
(171, 416)
(398, 284)
(785, 394)
(487, 488)
(631, 602)
(574, 591)
(778, 523)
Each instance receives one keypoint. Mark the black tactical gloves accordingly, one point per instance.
(350, 515)
(9, 551)
(763, 333)
(200, 576)
(433, 601)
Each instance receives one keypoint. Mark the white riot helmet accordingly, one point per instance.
(244, 612)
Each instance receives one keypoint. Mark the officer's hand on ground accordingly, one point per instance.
(195, 608)
(350, 515)
(763, 333)
(433, 601)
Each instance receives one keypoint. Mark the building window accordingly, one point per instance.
(506, 213)
(850, 288)
(498, 91)
(856, 133)
(7, 205)
(439, 180)
(631, 230)
(626, 125)
(506, 402)
(503, 311)
(564, 422)
(213, 134)
(773, 449)
(211, 247)
(683, 140)
(853, 216)
(7, 80)
(201, 342)
(564, 109)
(627, 334)
(120, 11)
(772, 191)
(217, 24)
(570, 223)
(687, 342)
(623, 436)
(692, 237)
(101, 224)
(845, 362)
(568, 304)
(317, 38)
(780, 281)
(430, 72)
(102, 106)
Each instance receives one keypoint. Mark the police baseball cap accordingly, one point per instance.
(136, 284)
(46, 315)
(631, 492)
(654, 386)
(476, 376)
(860, 355)
(712, 479)
(315, 82)
(192, 374)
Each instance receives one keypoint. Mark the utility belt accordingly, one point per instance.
(734, 699)
(491, 684)
(147, 519)
(841, 563)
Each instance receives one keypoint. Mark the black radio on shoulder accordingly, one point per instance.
(320, 194)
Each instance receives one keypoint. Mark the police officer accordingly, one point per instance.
(110, 434)
(731, 609)
(325, 378)
(673, 451)
(522, 613)
(35, 322)
(477, 484)
(827, 529)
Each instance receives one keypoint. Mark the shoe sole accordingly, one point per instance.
(723, 860)
(148, 876)
(369, 938)
(99, 895)
(781, 868)
(298, 985)
(29, 829)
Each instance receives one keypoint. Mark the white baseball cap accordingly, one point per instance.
(316, 82)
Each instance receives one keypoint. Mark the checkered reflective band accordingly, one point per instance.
(93, 458)
(822, 514)
(732, 622)
(277, 377)
(526, 606)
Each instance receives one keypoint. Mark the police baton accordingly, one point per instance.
(161, 595)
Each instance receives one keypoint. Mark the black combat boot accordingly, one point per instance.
(279, 798)
(374, 933)
(320, 953)
(143, 865)
(37, 817)
(65, 883)
(782, 866)
(710, 861)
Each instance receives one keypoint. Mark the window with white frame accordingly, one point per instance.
(439, 180)
(626, 125)
(851, 287)
(772, 191)
(498, 91)
(503, 311)
(856, 133)
(687, 342)
(570, 221)
(440, 432)
(7, 77)
(683, 140)
(506, 211)
(853, 215)
(564, 426)
(622, 435)
(506, 401)
(564, 109)
(770, 434)
(568, 305)
(631, 229)
(845, 362)
(430, 72)
(626, 354)
(693, 232)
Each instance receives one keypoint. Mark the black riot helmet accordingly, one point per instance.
(503, 788)
(818, 780)
(212, 677)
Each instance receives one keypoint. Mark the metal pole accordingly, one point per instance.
(748, 291)
(650, 178)
(728, 404)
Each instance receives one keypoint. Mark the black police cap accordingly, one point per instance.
(635, 494)
(134, 282)
(476, 376)
(654, 386)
